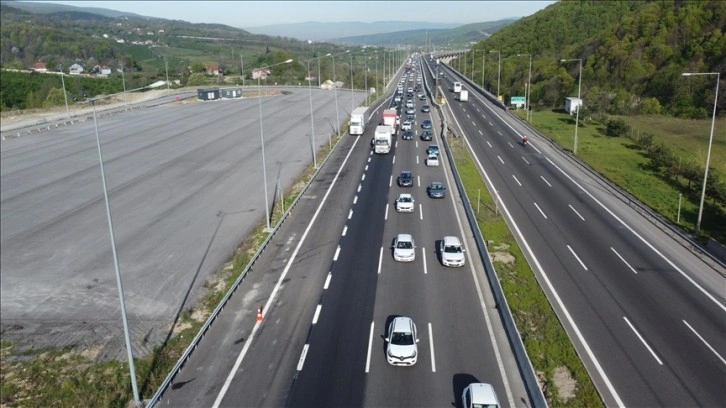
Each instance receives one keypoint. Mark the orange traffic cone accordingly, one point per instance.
(259, 314)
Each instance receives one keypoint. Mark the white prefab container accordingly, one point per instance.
(382, 139)
(358, 121)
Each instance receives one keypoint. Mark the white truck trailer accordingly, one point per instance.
(382, 139)
(358, 121)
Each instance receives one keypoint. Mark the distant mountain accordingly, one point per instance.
(461, 36)
(317, 31)
(53, 8)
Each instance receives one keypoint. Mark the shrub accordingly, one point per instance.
(617, 128)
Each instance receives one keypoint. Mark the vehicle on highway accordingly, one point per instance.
(406, 125)
(397, 99)
(405, 203)
(479, 395)
(410, 111)
(425, 109)
(452, 253)
(427, 136)
(426, 124)
(436, 190)
(405, 179)
(432, 149)
(407, 135)
(409, 90)
(432, 160)
(404, 250)
(401, 348)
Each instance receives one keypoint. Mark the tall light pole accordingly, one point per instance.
(337, 113)
(529, 84)
(65, 94)
(352, 98)
(499, 71)
(262, 140)
(579, 101)
(123, 80)
(242, 62)
(710, 142)
(312, 122)
(166, 67)
(483, 66)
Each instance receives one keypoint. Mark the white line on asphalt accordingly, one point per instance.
(345, 229)
(416, 159)
(317, 314)
(337, 252)
(327, 281)
(490, 145)
(643, 240)
(500, 133)
(366, 169)
(540, 211)
(380, 260)
(369, 157)
(302, 357)
(578, 214)
(431, 340)
(490, 124)
(515, 179)
(500, 159)
(417, 144)
(396, 145)
(480, 133)
(359, 186)
(355, 199)
(473, 123)
(467, 115)
(545, 180)
(350, 214)
(525, 159)
(642, 340)
(370, 346)
(705, 342)
(385, 217)
(420, 212)
(577, 257)
(394, 159)
(624, 261)
(390, 182)
(510, 145)
(363, 177)
(426, 271)
(418, 180)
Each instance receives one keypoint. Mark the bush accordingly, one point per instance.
(617, 128)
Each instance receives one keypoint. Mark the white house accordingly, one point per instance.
(260, 73)
(572, 104)
(105, 70)
(76, 69)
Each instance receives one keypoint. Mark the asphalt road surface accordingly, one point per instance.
(185, 188)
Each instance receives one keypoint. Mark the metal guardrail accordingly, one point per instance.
(515, 339)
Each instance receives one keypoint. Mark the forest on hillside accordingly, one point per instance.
(633, 54)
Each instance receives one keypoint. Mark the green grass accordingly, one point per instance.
(544, 338)
(623, 162)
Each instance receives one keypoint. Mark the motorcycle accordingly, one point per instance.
(524, 140)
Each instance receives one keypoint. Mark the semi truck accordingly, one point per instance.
(463, 95)
(382, 139)
(358, 121)
(389, 118)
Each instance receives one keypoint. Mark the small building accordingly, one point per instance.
(39, 67)
(105, 70)
(213, 69)
(260, 73)
(328, 85)
(76, 69)
(231, 93)
(572, 104)
(208, 94)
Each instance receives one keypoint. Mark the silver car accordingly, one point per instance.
(404, 250)
(452, 253)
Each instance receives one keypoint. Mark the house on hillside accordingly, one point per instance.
(39, 67)
(260, 73)
(76, 69)
(213, 69)
(104, 70)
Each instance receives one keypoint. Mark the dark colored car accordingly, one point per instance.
(411, 118)
(405, 179)
(436, 190)
(427, 136)
(426, 108)
(407, 135)
(426, 124)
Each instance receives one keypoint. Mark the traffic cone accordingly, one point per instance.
(259, 314)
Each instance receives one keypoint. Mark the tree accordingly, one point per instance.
(55, 98)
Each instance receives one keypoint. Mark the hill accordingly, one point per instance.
(328, 31)
(57, 9)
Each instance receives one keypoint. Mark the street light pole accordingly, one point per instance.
(499, 71)
(710, 143)
(579, 101)
(352, 98)
(166, 66)
(529, 84)
(123, 80)
(312, 122)
(483, 66)
(262, 140)
(65, 94)
(337, 113)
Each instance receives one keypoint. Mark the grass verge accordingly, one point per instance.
(563, 378)
(72, 377)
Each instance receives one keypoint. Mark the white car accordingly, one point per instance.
(406, 125)
(478, 395)
(402, 338)
(432, 160)
(452, 253)
(404, 249)
(405, 203)
(409, 104)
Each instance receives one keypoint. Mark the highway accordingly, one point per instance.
(644, 313)
(329, 286)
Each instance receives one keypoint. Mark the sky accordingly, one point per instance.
(248, 14)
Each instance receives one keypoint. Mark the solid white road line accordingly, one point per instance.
(642, 340)
(424, 261)
(500, 159)
(278, 285)
(350, 214)
(577, 257)
(624, 261)
(540, 211)
(578, 214)
(380, 260)
(385, 217)
(302, 357)
(317, 314)
(705, 342)
(515, 179)
(327, 281)
(337, 252)
(545, 180)
(345, 229)
(370, 347)
(431, 340)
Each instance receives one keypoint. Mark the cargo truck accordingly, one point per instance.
(389, 118)
(457, 87)
(463, 95)
(382, 139)
(358, 121)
